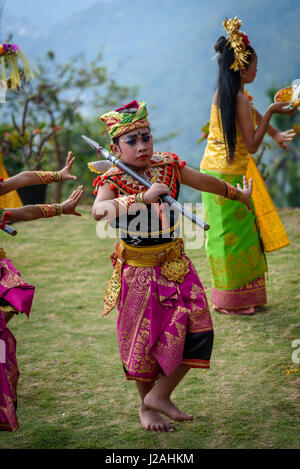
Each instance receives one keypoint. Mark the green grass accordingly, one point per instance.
(72, 392)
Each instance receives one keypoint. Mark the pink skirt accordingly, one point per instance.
(162, 324)
(243, 300)
(19, 294)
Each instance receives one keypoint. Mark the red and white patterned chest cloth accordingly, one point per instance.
(164, 168)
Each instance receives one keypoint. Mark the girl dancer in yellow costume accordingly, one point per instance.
(234, 248)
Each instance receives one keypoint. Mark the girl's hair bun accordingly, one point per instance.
(220, 44)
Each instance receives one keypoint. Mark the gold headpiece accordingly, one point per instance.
(126, 118)
(237, 41)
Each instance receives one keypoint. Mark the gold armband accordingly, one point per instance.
(139, 198)
(48, 177)
(50, 210)
(232, 192)
(129, 200)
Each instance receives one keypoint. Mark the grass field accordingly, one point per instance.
(72, 393)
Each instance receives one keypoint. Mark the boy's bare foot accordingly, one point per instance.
(166, 406)
(153, 421)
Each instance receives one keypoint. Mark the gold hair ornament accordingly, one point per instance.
(237, 41)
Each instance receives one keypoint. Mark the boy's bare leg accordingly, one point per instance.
(158, 398)
(150, 418)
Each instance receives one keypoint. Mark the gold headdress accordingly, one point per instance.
(10, 54)
(238, 42)
(126, 118)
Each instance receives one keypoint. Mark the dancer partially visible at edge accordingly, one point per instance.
(164, 324)
(234, 248)
(16, 295)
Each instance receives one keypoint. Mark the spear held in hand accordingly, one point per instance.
(166, 198)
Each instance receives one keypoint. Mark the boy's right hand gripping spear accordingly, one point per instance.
(166, 198)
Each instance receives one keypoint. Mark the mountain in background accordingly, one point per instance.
(166, 48)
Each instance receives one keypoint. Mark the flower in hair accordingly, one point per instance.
(238, 42)
(245, 39)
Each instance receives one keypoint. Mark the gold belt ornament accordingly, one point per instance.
(2, 254)
(169, 256)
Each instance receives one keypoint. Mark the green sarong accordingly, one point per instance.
(234, 248)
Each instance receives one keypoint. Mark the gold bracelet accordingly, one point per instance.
(48, 177)
(50, 210)
(232, 192)
(58, 208)
(139, 198)
(126, 201)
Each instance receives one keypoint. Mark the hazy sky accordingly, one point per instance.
(43, 11)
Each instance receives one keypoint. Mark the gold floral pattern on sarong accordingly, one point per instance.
(240, 213)
(164, 347)
(230, 239)
(10, 278)
(196, 291)
(10, 412)
(230, 178)
(219, 199)
(230, 272)
(141, 360)
(249, 295)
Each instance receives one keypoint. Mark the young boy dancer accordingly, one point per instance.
(164, 324)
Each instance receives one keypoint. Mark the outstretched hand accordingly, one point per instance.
(69, 205)
(66, 171)
(282, 108)
(246, 192)
(282, 137)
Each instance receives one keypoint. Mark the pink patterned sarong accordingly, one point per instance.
(13, 289)
(242, 300)
(156, 316)
(19, 294)
(9, 375)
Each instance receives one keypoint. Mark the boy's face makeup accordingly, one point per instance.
(135, 148)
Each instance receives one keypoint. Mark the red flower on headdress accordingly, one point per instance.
(245, 39)
(133, 104)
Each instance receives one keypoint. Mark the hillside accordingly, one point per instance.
(166, 48)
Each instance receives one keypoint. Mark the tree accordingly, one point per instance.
(46, 115)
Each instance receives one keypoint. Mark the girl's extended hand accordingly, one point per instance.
(282, 108)
(66, 171)
(69, 205)
(156, 190)
(247, 192)
(282, 137)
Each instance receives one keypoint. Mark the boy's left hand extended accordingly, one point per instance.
(247, 192)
